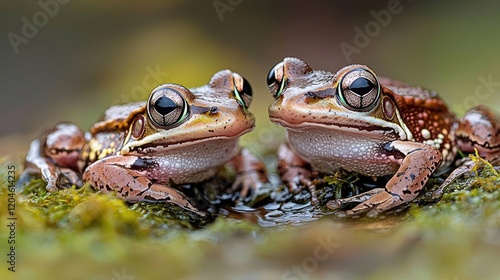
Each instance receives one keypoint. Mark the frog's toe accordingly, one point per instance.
(51, 182)
(294, 186)
(247, 183)
(312, 190)
(298, 183)
(51, 187)
(69, 178)
(376, 204)
(161, 193)
(372, 201)
(437, 194)
(243, 186)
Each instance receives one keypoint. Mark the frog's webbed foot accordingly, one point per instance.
(251, 173)
(123, 175)
(295, 172)
(419, 163)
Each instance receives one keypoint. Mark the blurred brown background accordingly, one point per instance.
(88, 55)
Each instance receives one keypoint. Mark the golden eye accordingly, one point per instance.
(242, 90)
(276, 79)
(359, 90)
(167, 107)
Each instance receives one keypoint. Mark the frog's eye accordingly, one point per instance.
(242, 90)
(276, 79)
(167, 107)
(359, 90)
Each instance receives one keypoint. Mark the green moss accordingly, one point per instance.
(73, 229)
(338, 185)
(470, 200)
(79, 210)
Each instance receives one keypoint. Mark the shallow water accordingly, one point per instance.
(275, 206)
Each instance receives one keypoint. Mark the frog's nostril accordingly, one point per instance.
(214, 110)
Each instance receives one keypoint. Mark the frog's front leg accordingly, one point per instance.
(250, 172)
(55, 157)
(419, 162)
(37, 162)
(295, 172)
(126, 175)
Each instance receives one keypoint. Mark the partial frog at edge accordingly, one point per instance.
(354, 120)
(140, 149)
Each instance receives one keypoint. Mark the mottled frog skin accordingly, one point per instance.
(140, 150)
(354, 120)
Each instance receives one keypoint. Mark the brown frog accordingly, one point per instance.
(140, 150)
(354, 120)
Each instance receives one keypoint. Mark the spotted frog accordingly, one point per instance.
(355, 121)
(141, 150)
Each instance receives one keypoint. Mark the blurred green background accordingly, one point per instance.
(92, 54)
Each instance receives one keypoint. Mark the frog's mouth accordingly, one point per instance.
(164, 145)
(376, 127)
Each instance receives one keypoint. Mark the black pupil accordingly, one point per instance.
(271, 79)
(361, 86)
(165, 105)
(247, 89)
